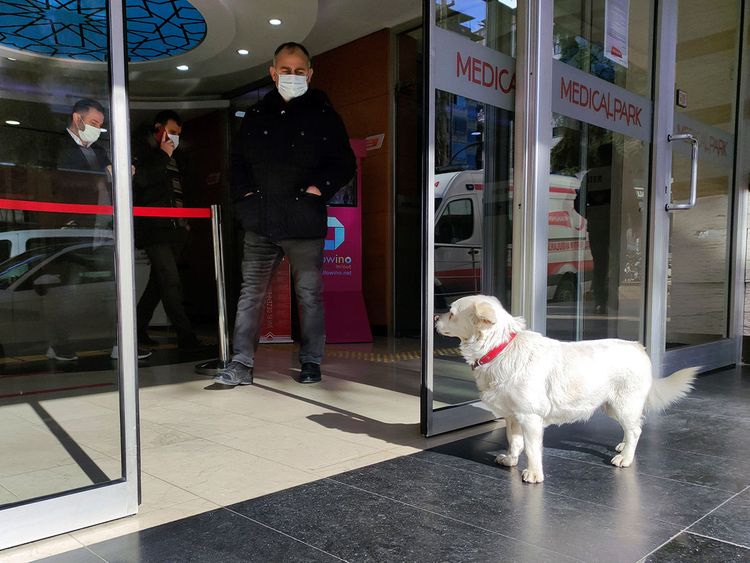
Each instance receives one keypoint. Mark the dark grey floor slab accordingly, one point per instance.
(624, 490)
(219, 535)
(730, 522)
(81, 555)
(357, 525)
(727, 474)
(689, 547)
(529, 513)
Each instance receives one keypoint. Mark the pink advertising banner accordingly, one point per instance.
(346, 315)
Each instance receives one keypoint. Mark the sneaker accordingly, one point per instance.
(143, 353)
(61, 354)
(235, 373)
(310, 373)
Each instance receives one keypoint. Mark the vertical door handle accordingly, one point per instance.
(690, 203)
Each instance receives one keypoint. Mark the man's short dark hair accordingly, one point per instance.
(292, 46)
(163, 116)
(83, 105)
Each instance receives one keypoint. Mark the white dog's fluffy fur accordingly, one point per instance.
(537, 381)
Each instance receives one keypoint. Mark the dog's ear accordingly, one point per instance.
(485, 314)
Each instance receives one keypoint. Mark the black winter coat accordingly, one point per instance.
(152, 187)
(69, 155)
(282, 148)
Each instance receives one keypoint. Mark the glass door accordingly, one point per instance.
(599, 168)
(467, 204)
(694, 141)
(68, 420)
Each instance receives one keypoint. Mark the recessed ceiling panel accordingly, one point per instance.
(77, 29)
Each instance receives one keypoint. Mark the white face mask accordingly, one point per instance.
(292, 85)
(175, 139)
(90, 134)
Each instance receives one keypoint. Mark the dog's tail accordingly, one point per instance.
(668, 390)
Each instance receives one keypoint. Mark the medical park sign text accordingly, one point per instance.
(485, 74)
(592, 100)
(473, 71)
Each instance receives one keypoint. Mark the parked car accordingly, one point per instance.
(58, 289)
(13, 243)
(459, 237)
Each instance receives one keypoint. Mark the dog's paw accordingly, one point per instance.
(620, 461)
(619, 447)
(506, 460)
(530, 476)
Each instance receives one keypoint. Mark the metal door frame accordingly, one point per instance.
(67, 511)
(531, 169)
(723, 352)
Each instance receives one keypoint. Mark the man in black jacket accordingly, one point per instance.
(77, 149)
(157, 183)
(292, 156)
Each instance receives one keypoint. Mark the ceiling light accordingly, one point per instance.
(12, 122)
(243, 52)
(11, 59)
(274, 21)
(183, 67)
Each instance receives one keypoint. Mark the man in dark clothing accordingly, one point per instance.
(292, 156)
(77, 149)
(157, 183)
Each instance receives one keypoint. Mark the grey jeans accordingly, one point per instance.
(261, 257)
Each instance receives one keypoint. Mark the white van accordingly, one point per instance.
(458, 237)
(13, 243)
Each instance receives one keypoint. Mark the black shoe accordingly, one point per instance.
(310, 373)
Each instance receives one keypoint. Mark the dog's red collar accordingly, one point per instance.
(494, 353)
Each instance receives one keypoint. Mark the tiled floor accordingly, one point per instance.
(687, 498)
(205, 446)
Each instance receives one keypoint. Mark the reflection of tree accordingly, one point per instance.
(442, 128)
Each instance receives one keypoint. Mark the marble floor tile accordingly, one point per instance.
(60, 478)
(621, 489)
(690, 547)
(356, 525)
(218, 535)
(730, 522)
(6, 497)
(142, 521)
(64, 543)
(532, 514)
(305, 450)
(202, 422)
(219, 473)
(158, 493)
(30, 448)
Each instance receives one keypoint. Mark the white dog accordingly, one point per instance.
(533, 381)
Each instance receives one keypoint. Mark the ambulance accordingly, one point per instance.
(459, 238)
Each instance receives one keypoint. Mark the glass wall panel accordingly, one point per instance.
(599, 168)
(59, 400)
(473, 150)
(706, 81)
